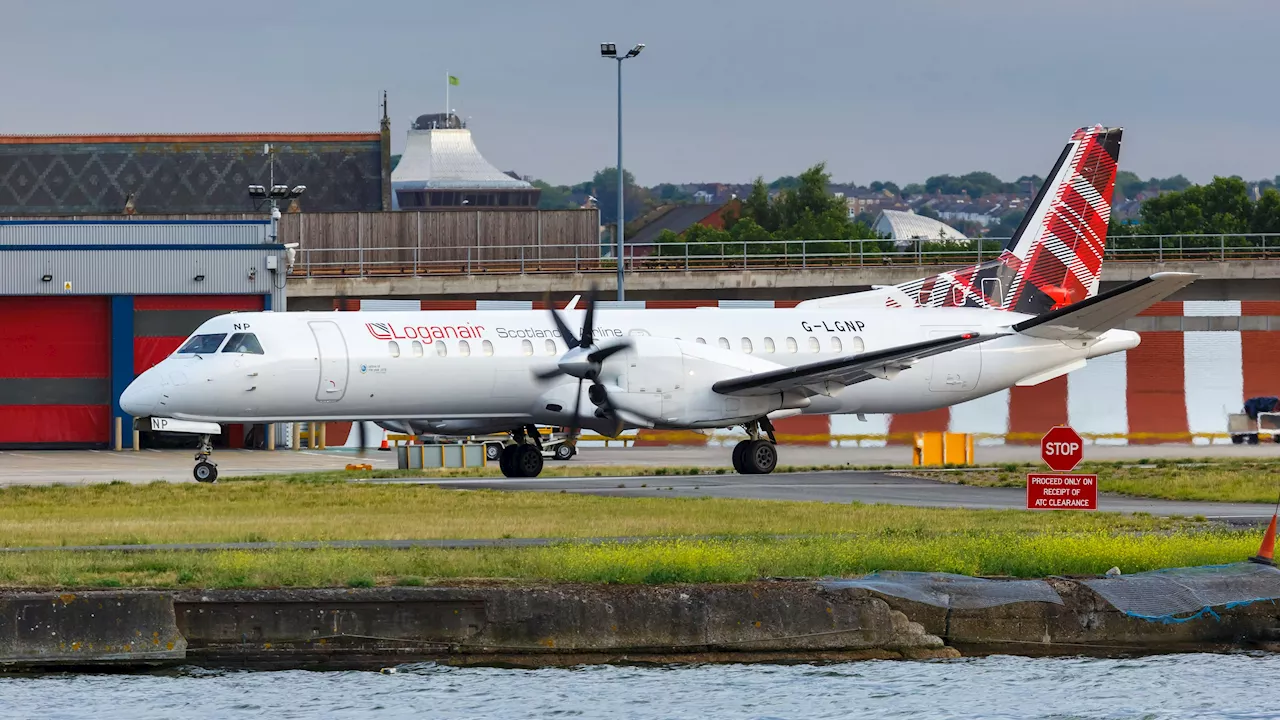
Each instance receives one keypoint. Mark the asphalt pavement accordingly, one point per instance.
(842, 487)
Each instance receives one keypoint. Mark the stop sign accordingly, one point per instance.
(1062, 448)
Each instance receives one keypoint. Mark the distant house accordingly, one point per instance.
(678, 219)
(908, 226)
(703, 197)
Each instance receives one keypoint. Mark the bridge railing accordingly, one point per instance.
(749, 255)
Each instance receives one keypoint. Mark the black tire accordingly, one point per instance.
(492, 451)
(761, 457)
(739, 451)
(205, 472)
(1275, 438)
(1253, 439)
(528, 461)
(1237, 439)
(564, 451)
(507, 460)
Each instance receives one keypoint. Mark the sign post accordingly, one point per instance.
(1062, 449)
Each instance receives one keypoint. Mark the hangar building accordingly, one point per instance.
(86, 306)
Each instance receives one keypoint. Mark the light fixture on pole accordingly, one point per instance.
(273, 193)
(610, 51)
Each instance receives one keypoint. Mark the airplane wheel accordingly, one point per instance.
(507, 460)
(493, 451)
(528, 461)
(205, 472)
(563, 451)
(761, 457)
(739, 452)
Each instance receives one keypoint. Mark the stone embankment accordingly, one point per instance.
(893, 615)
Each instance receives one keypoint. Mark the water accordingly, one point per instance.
(1172, 686)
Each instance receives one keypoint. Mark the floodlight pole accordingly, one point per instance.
(621, 190)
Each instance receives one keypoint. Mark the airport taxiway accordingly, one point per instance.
(82, 467)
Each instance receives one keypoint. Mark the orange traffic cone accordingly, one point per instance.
(1266, 553)
(384, 445)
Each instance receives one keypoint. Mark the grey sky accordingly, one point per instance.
(725, 91)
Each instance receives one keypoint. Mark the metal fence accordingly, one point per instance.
(550, 257)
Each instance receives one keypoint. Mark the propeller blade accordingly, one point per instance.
(604, 353)
(577, 409)
(588, 322)
(549, 374)
(569, 340)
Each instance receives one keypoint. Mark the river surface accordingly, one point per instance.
(1171, 686)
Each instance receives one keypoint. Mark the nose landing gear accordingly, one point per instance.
(205, 471)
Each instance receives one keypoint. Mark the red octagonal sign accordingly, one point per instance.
(1062, 448)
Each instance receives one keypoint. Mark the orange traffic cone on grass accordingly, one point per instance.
(1266, 553)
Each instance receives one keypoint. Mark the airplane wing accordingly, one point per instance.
(1093, 316)
(847, 370)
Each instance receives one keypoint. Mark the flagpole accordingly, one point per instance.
(446, 97)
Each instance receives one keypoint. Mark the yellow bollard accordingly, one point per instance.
(271, 436)
(119, 439)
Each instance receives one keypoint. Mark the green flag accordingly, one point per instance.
(453, 80)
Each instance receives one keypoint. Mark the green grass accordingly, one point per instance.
(1020, 554)
(548, 471)
(281, 510)
(1223, 481)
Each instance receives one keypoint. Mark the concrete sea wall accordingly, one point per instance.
(573, 624)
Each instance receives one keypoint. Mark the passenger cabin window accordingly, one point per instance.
(394, 348)
(702, 341)
(246, 343)
(746, 345)
(203, 343)
(526, 347)
(814, 345)
(550, 345)
(487, 347)
(464, 348)
(724, 343)
(792, 346)
(768, 345)
(857, 345)
(836, 345)
(416, 347)
(441, 349)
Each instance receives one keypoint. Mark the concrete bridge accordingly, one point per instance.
(1221, 280)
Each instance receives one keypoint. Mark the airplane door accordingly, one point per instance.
(332, 349)
(957, 370)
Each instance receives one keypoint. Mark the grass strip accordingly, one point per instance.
(282, 510)
(1244, 481)
(1018, 554)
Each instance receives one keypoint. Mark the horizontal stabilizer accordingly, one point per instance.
(843, 371)
(1093, 316)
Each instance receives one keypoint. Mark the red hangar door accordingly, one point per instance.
(55, 364)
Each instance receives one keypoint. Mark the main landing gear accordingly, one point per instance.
(756, 456)
(522, 458)
(205, 471)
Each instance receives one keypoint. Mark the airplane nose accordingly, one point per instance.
(141, 397)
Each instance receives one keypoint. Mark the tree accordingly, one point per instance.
(554, 197)
(604, 186)
(786, 182)
(912, 189)
(878, 186)
(1222, 206)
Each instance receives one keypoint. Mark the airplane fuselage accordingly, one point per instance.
(467, 372)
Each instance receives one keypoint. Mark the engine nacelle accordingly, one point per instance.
(668, 381)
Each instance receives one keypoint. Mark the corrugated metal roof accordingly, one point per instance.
(907, 225)
(448, 160)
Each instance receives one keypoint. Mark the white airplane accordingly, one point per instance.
(1028, 316)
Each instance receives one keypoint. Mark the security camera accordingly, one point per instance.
(275, 213)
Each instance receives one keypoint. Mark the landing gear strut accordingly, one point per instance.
(522, 458)
(756, 456)
(205, 471)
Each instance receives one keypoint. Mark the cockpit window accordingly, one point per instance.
(203, 343)
(246, 343)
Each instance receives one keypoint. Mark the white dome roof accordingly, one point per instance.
(447, 159)
(901, 225)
